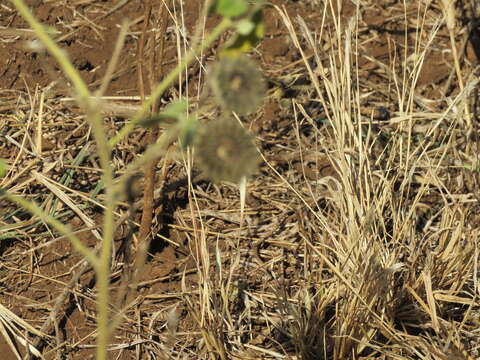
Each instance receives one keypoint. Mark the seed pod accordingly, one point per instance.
(225, 151)
(237, 84)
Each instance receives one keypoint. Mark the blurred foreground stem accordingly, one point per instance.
(169, 78)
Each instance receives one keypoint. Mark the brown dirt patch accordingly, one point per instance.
(270, 268)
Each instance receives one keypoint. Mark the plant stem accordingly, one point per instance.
(158, 91)
(102, 265)
(154, 151)
(103, 272)
(58, 225)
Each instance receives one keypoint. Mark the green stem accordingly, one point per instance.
(159, 90)
(103, 273)
(102, 265)
(103, 296)
(34, 209)
(153, 152)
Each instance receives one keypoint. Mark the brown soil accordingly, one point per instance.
(32, 281)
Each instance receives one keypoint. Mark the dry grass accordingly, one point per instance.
(360, 232)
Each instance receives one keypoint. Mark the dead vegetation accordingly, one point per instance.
(360, 235)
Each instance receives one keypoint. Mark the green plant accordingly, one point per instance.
(3, 168)
(236, 14)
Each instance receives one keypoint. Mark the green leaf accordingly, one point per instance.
(245, 40)
(52, 31)
(3, 168)
(174, 111)
(245, 27)
(231, 8)
(188, 129)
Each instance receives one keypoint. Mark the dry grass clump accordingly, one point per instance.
(360, 233)
(393, 249)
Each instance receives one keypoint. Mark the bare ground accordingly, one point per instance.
(361, 232)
